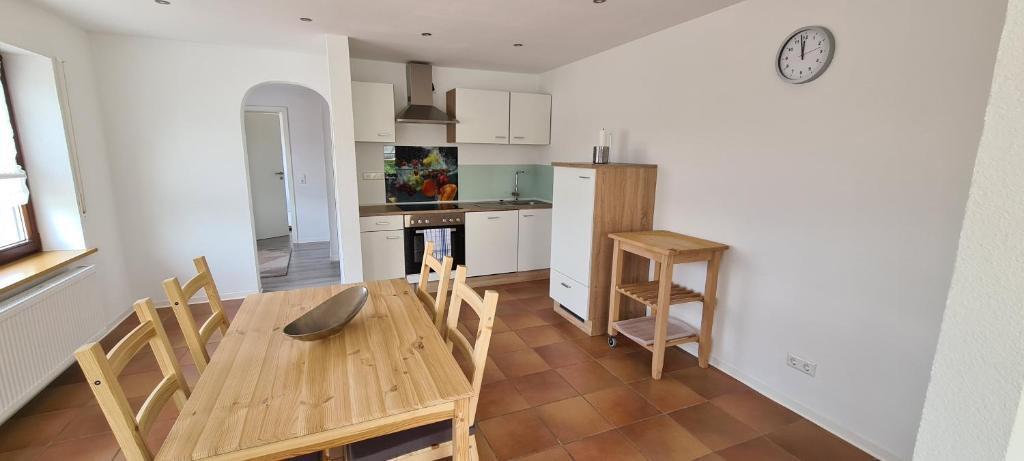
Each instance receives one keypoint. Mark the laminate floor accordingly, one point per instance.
(310, 266)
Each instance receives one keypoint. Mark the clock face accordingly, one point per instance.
(805, 55)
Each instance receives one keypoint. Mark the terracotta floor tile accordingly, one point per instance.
(760, 449)
(538, 303)
(551, 454)
(140, 384)
(562, 354)
(541, 336)
(597, 346)
(711, 457)
(621, 405)
(756, 411)
(34, 430)
(87, 421)
(544, 387)
(667, 394)
(517, 434)
(708, 382)
(569, 330)
(498, 399)
(634, 366)
(660, 438)
(611, 445)
(588, 377)
(503, 343)
(572, 419)
(63, 397)
(158, 433)
(483, 448)
(519, 320)
(491, 372)
(549, 316)
(713, 427)
(677, 359)
(27, 454)
(101, 447)
(500, 326)
(809, 442)
(520, 363)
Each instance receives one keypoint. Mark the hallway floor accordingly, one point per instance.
(550, 393)
(310, 265)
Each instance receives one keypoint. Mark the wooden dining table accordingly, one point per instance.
(266, 396)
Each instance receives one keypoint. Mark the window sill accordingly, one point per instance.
(36, 267)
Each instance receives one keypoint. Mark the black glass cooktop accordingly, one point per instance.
(427, 206)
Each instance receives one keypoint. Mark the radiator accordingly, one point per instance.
(40, 329)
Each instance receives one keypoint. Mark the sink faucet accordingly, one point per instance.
(515, 191)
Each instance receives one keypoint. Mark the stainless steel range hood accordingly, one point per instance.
(420, 86)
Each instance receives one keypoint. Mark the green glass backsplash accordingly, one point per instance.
(490, 182)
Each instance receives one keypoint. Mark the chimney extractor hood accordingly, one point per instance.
(420, 86)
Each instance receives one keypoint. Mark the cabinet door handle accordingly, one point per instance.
(584, 177)
(500, 137)
(519, 137)
(566, 285)
(393, 237)
(527, 215)
(494, 217)
(382, 223)
(384, 133)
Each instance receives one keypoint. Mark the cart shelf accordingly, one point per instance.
(647, 293)
(641, 331)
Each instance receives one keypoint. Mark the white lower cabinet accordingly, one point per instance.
(534, 239)
(571, 294)
(492, 242)
(383, 254)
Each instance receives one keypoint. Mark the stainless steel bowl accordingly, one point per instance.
(329, 317)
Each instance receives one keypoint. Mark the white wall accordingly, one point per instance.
(308, 140)
(44, 145)
(36, 30)
(346, 190)
(370, 155)
(842, 199)
(974, 398)
(173, 114)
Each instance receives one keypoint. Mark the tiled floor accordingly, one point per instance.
(550, 393)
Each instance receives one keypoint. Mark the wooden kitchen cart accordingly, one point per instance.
(660, 330)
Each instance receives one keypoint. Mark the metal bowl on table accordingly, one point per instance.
(329, 317)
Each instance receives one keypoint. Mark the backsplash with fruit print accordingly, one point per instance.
(421, 174)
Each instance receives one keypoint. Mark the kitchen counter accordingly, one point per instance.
(468, 207)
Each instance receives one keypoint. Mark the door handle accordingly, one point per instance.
(527, 215)
(500, 137)
(382, 223)
(392, 237)
(494, 217)
(519, 137)
(384, 133)
(566, 285)
(584, 177)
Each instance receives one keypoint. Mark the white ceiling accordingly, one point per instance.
(466, 33)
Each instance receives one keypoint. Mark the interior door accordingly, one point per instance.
(263, 143)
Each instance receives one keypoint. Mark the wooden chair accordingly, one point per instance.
(101, 371)
(433, 441)
(196, 338)
(436, 304)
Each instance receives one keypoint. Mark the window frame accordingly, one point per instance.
(33, 243)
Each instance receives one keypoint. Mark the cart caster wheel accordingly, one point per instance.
(612, 342)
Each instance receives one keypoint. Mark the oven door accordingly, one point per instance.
(448, 241)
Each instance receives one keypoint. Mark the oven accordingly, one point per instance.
(446, 230)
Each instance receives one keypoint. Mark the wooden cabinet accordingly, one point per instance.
(482, 116)
(534, 239)
(589, 202)
(492, 242)
(529, 118)
(383, 254)
(373, 111)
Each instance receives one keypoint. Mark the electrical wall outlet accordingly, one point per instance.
(805, 367)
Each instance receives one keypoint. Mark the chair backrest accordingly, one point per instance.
(101, 370)
(485, 309)
(196, 338)
(444, 271)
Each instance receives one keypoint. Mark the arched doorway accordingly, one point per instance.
(291, 182)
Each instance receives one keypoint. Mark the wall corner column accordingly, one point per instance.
(345, 173)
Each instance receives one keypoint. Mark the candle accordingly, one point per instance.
(602, 138)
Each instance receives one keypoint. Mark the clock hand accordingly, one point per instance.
(816, 49)
(803, 42)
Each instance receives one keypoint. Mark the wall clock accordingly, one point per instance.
(805, 54)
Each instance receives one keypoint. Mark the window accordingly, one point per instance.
(18, 234)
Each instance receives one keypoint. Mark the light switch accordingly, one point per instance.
(373, 175)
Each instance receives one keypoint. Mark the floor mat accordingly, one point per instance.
(274, 262)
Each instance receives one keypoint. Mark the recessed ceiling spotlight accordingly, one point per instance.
(162, 2)
(517, 44)
(306, 19)
(599, 1)
(426, 34)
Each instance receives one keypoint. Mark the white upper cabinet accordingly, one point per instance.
(373, 111)
(482, 115)
(530, 118)
(534, 239)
